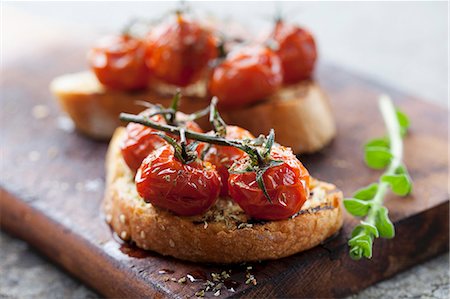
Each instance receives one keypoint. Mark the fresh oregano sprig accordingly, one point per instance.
(368, 202)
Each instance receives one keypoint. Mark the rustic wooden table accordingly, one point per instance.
(403, 44)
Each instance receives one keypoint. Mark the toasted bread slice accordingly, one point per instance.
(224, 234)
(300, 114)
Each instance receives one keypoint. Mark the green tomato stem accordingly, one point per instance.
(250, 150)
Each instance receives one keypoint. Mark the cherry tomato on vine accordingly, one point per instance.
(222, 157)
(247, 75)
(297, 51)
(287, 185)
(119, 62)
(185, 189)
(139, 142)
(179, 52)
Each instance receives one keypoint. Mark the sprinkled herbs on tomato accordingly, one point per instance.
(184, 188)
(286, 184)
(224, 156)
(139, 141)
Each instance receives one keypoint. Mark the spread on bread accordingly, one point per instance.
(265, 78)
(181, 192)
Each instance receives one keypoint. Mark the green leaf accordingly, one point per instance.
(400, 183)
(403, 122)
(356, 252)
(366, 193)
(377, 157)
(260, 182)
(361, 245)
(384, 224)
(356, 207)
(369, 228)
(365, 228)
(269, 142)
(379, 142)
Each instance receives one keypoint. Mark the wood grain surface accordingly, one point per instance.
(52, 182)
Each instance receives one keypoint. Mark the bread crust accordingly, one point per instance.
(224, 234)
(300, 114)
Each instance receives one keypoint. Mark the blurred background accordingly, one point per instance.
(402, 44)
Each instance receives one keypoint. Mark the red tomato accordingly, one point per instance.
(286, 184)
(222, 157)
(139, 142)
(297, 51)
(179, 52)
(185, 189)
(247, 75)
(119, 62)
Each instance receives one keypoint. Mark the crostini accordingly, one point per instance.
(230, 198)
(259, 85)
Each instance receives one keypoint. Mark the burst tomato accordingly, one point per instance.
(179, 52)
(139, 142)
(119, 62)
(247, 75)
(287, 185)
(222, 157)
(185, 189)
(297, 51)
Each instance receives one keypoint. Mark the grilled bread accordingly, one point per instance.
(299, 113)
(224, 234)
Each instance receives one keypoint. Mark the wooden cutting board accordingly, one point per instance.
(52, 184)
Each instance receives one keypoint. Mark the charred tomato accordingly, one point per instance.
(222, 157)
(185, 189)
(287, 185)
(139, 141)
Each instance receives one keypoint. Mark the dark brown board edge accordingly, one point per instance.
(340, 276)
(335, 276)
(85, 261)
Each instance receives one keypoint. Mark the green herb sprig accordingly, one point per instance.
(381, 153)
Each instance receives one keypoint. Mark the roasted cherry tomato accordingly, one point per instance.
(178, 53)
(185, 189)
(297, 51)
(287, 185)
(119, 62)
(247, 75)
(139, 142)
(224, 156)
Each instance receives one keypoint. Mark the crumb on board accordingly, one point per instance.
(91, 185)
(52, 152)
(40, 111)
(65, 124)
(34, 156)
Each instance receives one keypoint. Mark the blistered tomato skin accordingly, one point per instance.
(179, 52)
(185, 189)
(119, 62)
(297, 51)
(139, 141)
(222, 157)
(247, 75)
(286, 184)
